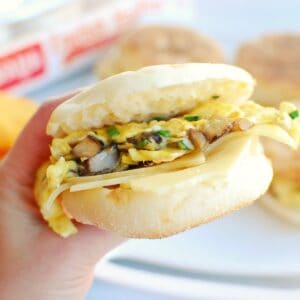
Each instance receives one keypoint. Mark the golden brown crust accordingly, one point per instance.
(153, 45)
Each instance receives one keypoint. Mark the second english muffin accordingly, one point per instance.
(153, 45)
(274, 60)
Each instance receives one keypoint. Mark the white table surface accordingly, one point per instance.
(230, 22)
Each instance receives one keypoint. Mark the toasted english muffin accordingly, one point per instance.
(274, 61)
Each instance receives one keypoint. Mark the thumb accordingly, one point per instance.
(95, 242)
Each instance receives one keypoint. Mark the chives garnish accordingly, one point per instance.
(185, 145)
(164, 133)
(113, 132)
(215, 96)
(294, 114)
(192, 118)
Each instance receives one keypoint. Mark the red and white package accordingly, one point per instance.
(31, 61)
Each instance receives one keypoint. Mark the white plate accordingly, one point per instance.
(247, 255)
(249, 252)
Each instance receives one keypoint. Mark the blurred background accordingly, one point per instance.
(51, 47)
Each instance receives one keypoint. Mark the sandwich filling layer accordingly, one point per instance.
(134, 145)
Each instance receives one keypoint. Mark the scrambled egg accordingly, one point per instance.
(59, 171)
(55, 216)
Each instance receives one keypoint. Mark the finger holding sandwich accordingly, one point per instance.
(153, 152)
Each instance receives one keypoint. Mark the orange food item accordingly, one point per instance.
(14, 114)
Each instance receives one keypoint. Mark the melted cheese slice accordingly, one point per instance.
(276, 133)
(84, 183)
(158, 156)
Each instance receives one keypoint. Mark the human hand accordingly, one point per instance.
(35, 262)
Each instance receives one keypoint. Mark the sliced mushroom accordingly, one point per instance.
(242, 124)
(216, 128)
(198, 139)
(104, 162)
(87, 148)
(156, 138)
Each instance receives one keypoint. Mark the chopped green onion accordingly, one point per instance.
(185, 145)
(294, 114)
(113, 132)
(192, 118)
(158, 118)
(142, 143)
(164, 133)
(215, 96)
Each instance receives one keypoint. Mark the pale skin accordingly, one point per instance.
(35, 263)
